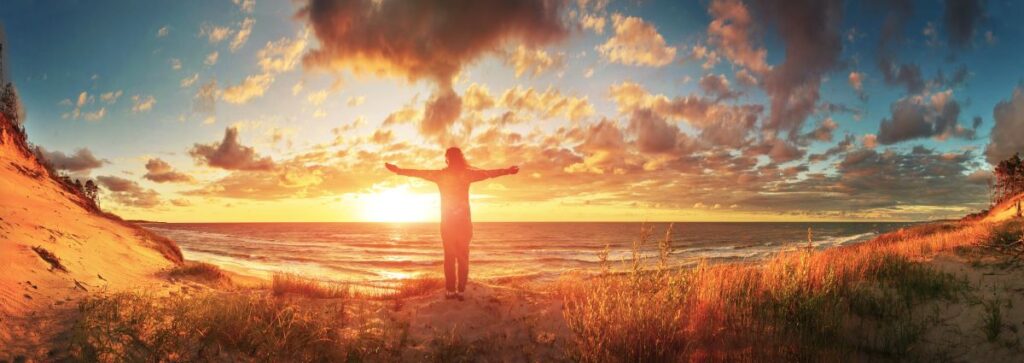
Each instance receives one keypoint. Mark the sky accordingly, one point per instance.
(711, 110)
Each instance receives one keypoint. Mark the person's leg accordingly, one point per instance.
(449, 265)
(463, 258)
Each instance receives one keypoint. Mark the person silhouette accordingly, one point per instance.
(456, 224)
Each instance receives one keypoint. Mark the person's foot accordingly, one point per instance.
(458, 295)
(448, 295)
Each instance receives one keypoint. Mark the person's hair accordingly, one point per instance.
(455, 158)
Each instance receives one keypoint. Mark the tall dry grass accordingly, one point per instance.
(805, 305)
(285, 284)
(212, 327)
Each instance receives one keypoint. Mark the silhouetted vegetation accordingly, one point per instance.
(1009, 179)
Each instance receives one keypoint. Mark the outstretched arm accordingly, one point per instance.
(478, 175)
(430, 175)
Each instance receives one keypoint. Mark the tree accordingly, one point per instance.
(9, 104)
(1009, 175)
(92, 191)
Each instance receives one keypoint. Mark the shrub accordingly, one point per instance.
(198, 270)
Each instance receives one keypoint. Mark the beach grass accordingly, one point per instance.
(799, 305)
(869, 301)
(291, 284)
(198, 270)
(209, 327)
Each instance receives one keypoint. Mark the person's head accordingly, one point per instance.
(453, 156)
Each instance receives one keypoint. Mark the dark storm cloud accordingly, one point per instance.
(962, 18)
(1007, 136)
(229, 154)
(430, 39)
(81, 161)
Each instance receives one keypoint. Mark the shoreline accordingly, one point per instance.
(543, 315)
(585, 261)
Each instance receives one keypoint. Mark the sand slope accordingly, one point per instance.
(98, 253)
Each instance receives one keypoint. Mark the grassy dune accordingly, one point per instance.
(870, 301)
(805, 305)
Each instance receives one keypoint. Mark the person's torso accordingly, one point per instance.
(454, 188)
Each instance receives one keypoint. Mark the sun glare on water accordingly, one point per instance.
(397, 205)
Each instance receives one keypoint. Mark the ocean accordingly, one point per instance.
(373, 252)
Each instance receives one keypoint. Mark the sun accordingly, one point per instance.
(397, 205)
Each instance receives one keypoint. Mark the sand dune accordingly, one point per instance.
(40, 220)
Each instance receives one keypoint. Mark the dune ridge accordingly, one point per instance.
(56, 246)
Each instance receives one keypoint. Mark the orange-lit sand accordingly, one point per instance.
(99, 254)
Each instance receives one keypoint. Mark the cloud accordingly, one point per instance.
(83, 99)
(189, 81)
(244, 30)
(548, 104)
(477, 98)
(811, 31)
(1007, 136)
(142, 103)
(96, 115)
(870, 141)
(253, 86)
(534, 61)
(82, 160)
(211, 59)
(246, 6)
(936, 115)
(304, 176)
(281, 55)
(215, 34)
(129, 193)
(163, 31)
(907, 75)
(161, 172)
(595, 23)
(440, 112)
(355, 101)
(843, 146)
(731, 30)
(636, 43)
(744, 78)
(387, 38)
(857, 81)
(229, 154)
(962, 18)
(719, 124)
(205, 100)
(823, 132)
(653, 133)
(111, 97)
(717, 86)
(317, 98)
